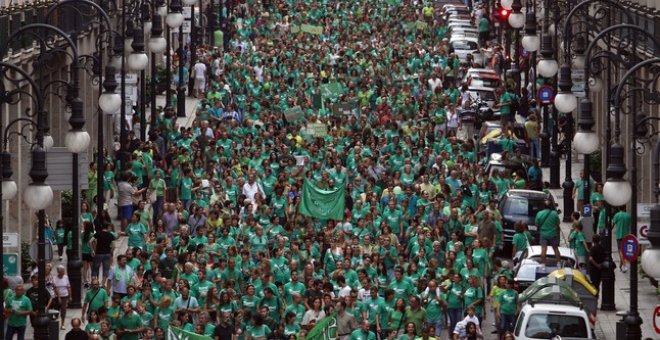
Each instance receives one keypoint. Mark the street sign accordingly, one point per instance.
(586, 210)
(630, 247)
(546, 94)
(10, 240)
(643, 232)
(656, 319)
(10, 264)
(644, 210)
(577, 77)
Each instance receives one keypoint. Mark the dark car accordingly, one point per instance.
(522, 205)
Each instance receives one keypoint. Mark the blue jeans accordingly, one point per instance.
(535, 148)
(158, 208)
(506, 323)
(438, 324)
(101, 259)
(19, 331)
(455, 315)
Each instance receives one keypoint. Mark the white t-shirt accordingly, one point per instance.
(61, 285)
(200, 71)
(345, 292)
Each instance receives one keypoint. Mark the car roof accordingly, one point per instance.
(485, 75)
(563, 251)
(528, 193)
(481, 88)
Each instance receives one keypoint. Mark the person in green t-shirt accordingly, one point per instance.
(504, 104)
(95, 298)
(548, 223)
(157, 186)
(621, 224)
(578, 243)
(129, 324)
(507, 308)
(18, 307)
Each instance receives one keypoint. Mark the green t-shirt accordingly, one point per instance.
(131, 322)
(508, 301)
(136, 233)
(548, 221)
(18, 304)
(158, 186)
(505, 103)
(622, 222)
(186, 188)
(96, 299)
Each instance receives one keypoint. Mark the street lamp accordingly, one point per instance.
(530, 40)
(616, 190)
(565, 101)
(651, 256)
(506, 4)
(585, 140)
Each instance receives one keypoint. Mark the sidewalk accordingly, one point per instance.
(647, 297)
(121, 244)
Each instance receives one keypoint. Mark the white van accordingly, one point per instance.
(539, 319)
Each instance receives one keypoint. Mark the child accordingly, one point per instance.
(577, 241)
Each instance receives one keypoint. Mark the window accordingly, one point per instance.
(547, 326)
(465, 45)
(521, 318)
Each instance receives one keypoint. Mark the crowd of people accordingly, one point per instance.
(217, 245)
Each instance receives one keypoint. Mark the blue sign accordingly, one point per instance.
(630, 247)
(546, 94)
(586, 210)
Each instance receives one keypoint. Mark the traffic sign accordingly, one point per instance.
(656, 319)
(630, 247)
(586, 210)
(10, 239)
(10, 264)
(643, 232)
(546, 94)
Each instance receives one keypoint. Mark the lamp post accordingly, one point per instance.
(516, 21)
(173, 20)
(157, 44)
(37, 195)
(180, 89)
(566, 102)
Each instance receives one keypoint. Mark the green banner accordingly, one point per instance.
(346, 108)
(331, 90)
(322, 204)
(294, 28)
(325, 329)
(317, 130)
(311, 29)
(175, 333)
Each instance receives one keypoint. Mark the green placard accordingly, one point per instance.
(10, 264)
(346, 108)
(311, 29)
(295, 29)
(293, 114)
(317, 130)
(331, 90)
(421, 25)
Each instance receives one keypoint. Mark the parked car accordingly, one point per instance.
(553, 312)
(465, 46)
(484, 80)
(488, 142)
(448, 10)
(522, 205)
(527, 266)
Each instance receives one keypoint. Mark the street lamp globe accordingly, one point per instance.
(110, 102)
(174, 20)
(506, 4)
(585, 142)
(189, 2)
(579, 62)
(138, 61)
(162, 10)
(547, 68)
(516, 20)
(9, 189)
(650, 260)
(157, 44)
(49, 142)
(38, 196)
(565, 102)
(146, 27)
(531, 43)
(617, 192)
(77, 141)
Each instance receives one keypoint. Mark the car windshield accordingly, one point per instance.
(465, 45)
(484, 95)
(551, 261)
(523, 206)
(547, 326)
(485, 82)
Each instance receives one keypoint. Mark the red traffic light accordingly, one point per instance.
(504, 14)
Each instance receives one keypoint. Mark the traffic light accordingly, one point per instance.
(504, 15)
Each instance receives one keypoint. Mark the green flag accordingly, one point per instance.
(323, 204)
(325, 329)
(175, 333)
